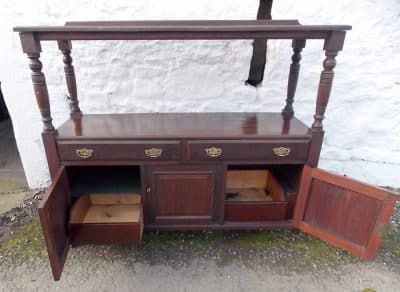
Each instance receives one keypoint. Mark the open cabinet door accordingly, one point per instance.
(53, 214)
(344, 212)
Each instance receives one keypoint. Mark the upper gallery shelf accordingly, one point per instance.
(182, 29)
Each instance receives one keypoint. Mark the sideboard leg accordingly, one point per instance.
(31, 46)
(50, 147)
(332, 46)
(41, 93)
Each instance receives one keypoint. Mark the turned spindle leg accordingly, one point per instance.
(298, 46)
(65, 47)
(31, 46)
(324, 89)
(332, 46)
(41, 93)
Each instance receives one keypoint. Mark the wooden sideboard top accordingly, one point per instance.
(182, 125)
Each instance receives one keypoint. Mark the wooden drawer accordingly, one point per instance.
(254, 195)
(255, 211)
(106, 219)
(119, 150)
(288, 151)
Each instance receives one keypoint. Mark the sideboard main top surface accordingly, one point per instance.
(183, 125)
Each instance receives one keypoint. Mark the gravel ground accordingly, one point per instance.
(193, 261)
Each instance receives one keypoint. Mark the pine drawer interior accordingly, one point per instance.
(106, 204)
(254, 193)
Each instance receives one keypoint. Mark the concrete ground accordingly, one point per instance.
(101, 274)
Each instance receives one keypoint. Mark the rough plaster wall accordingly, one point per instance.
(363, 122)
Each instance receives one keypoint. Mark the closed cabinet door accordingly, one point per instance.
(183, 194)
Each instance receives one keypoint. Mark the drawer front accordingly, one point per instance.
(124, 232)
(248, 211)
(119, 150)
(248, 150)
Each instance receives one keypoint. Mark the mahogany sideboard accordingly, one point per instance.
(114, 175)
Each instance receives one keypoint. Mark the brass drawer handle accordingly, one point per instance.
(213, 151)
(153, 152)
(281, 151)
(84, 153)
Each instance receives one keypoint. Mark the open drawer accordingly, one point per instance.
(107, 218)
(69, 214)
(254, 195)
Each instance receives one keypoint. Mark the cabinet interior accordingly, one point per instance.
(105, 194)
(106, 209)
(254, 183)
(87, 180)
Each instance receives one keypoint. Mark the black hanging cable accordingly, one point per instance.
(259, 57)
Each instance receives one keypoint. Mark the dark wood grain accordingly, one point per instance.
(41, 92)
(120, 150)
(181, 125)
(52, 154)
(97, 233)
(342, 211)
(184, 26)
(183, 194)
(260, 211)
(332, 46)
(202, 29)
(53, 213)
(143, 23)
(228, 225)
(249, 150)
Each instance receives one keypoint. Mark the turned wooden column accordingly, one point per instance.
(31, 46)
(41, 93)
(332, 46)
(324, 88)
(65, 48)
(298, 46)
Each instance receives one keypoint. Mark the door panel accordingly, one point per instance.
(53, 214)
(183, 194)
(347, 213)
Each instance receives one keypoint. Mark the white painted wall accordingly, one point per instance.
(363, 117)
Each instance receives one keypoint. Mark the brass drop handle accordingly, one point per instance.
(84, 153)
(213, 151)
(281, 151)
(153, 152)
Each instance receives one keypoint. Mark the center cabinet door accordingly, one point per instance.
(183, 194)
(53, 214)
(344, 212)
